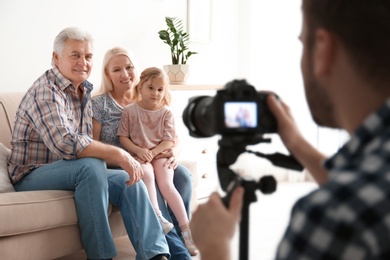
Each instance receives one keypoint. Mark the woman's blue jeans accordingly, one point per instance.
(182, 180)
(94, 186)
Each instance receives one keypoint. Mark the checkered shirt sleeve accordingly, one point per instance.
(349, 216)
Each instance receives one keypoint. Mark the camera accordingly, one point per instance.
(237, 109)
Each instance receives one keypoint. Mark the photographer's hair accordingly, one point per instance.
(146, 75)
(362, 26)
(106, 84)
(72, 33)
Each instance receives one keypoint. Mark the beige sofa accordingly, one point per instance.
(42, 224)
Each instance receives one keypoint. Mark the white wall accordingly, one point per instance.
(270, 54)
(252, 39)
(276, 26)
(28, 29)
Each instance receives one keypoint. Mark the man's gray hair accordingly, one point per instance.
(72, 33)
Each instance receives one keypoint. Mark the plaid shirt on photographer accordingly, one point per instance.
(349, 216)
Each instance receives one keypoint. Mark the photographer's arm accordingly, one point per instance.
(294, 141)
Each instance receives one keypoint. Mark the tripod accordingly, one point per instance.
(230, 149)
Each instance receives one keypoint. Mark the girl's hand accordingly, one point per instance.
(145, 155)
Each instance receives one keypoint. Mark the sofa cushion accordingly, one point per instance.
(31, 211)
(5, 182)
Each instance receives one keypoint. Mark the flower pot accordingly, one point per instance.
(177, 73)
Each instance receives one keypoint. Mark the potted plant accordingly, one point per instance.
(178, 40)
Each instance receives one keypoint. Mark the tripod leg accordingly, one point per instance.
(244, 232)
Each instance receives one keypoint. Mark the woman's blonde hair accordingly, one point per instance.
(148, 74)
(106, 84)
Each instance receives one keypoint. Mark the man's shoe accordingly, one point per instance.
(159, 257)
(103, 259)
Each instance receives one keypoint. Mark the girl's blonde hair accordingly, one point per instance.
(148, 74)
(106, 84)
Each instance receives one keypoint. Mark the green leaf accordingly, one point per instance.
(177, 39)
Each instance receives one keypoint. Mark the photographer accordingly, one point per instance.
(345, 66)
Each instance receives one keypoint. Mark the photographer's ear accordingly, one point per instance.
(323, 52)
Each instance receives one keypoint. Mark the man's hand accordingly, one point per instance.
(287, 128)
(303, 151)
(213, 225)
(114, 157)
(132, 167)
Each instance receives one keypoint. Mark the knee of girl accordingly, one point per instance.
(159, 163)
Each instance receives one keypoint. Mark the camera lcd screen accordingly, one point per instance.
(241, 114)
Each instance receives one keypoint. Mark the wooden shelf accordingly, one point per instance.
(195, 87)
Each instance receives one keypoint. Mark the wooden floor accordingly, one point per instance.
(268, 219)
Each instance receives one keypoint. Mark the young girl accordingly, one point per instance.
(146, 129)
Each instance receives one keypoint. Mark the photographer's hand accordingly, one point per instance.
(213, 225)
(295, 142)
(287, 128)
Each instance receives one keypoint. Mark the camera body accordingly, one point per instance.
(238, 109)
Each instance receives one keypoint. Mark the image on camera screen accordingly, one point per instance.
(240, 114)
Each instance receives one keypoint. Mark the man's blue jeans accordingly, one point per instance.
(183, 182)
(94, 186)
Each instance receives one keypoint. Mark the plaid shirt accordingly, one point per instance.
(51, 124)
(349, 216)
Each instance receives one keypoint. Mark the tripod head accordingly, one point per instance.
(230, 148)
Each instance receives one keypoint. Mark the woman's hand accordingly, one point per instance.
(171, 159)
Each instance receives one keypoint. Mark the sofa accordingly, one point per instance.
(43, 224)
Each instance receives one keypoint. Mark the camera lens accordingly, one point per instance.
(199, 117)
